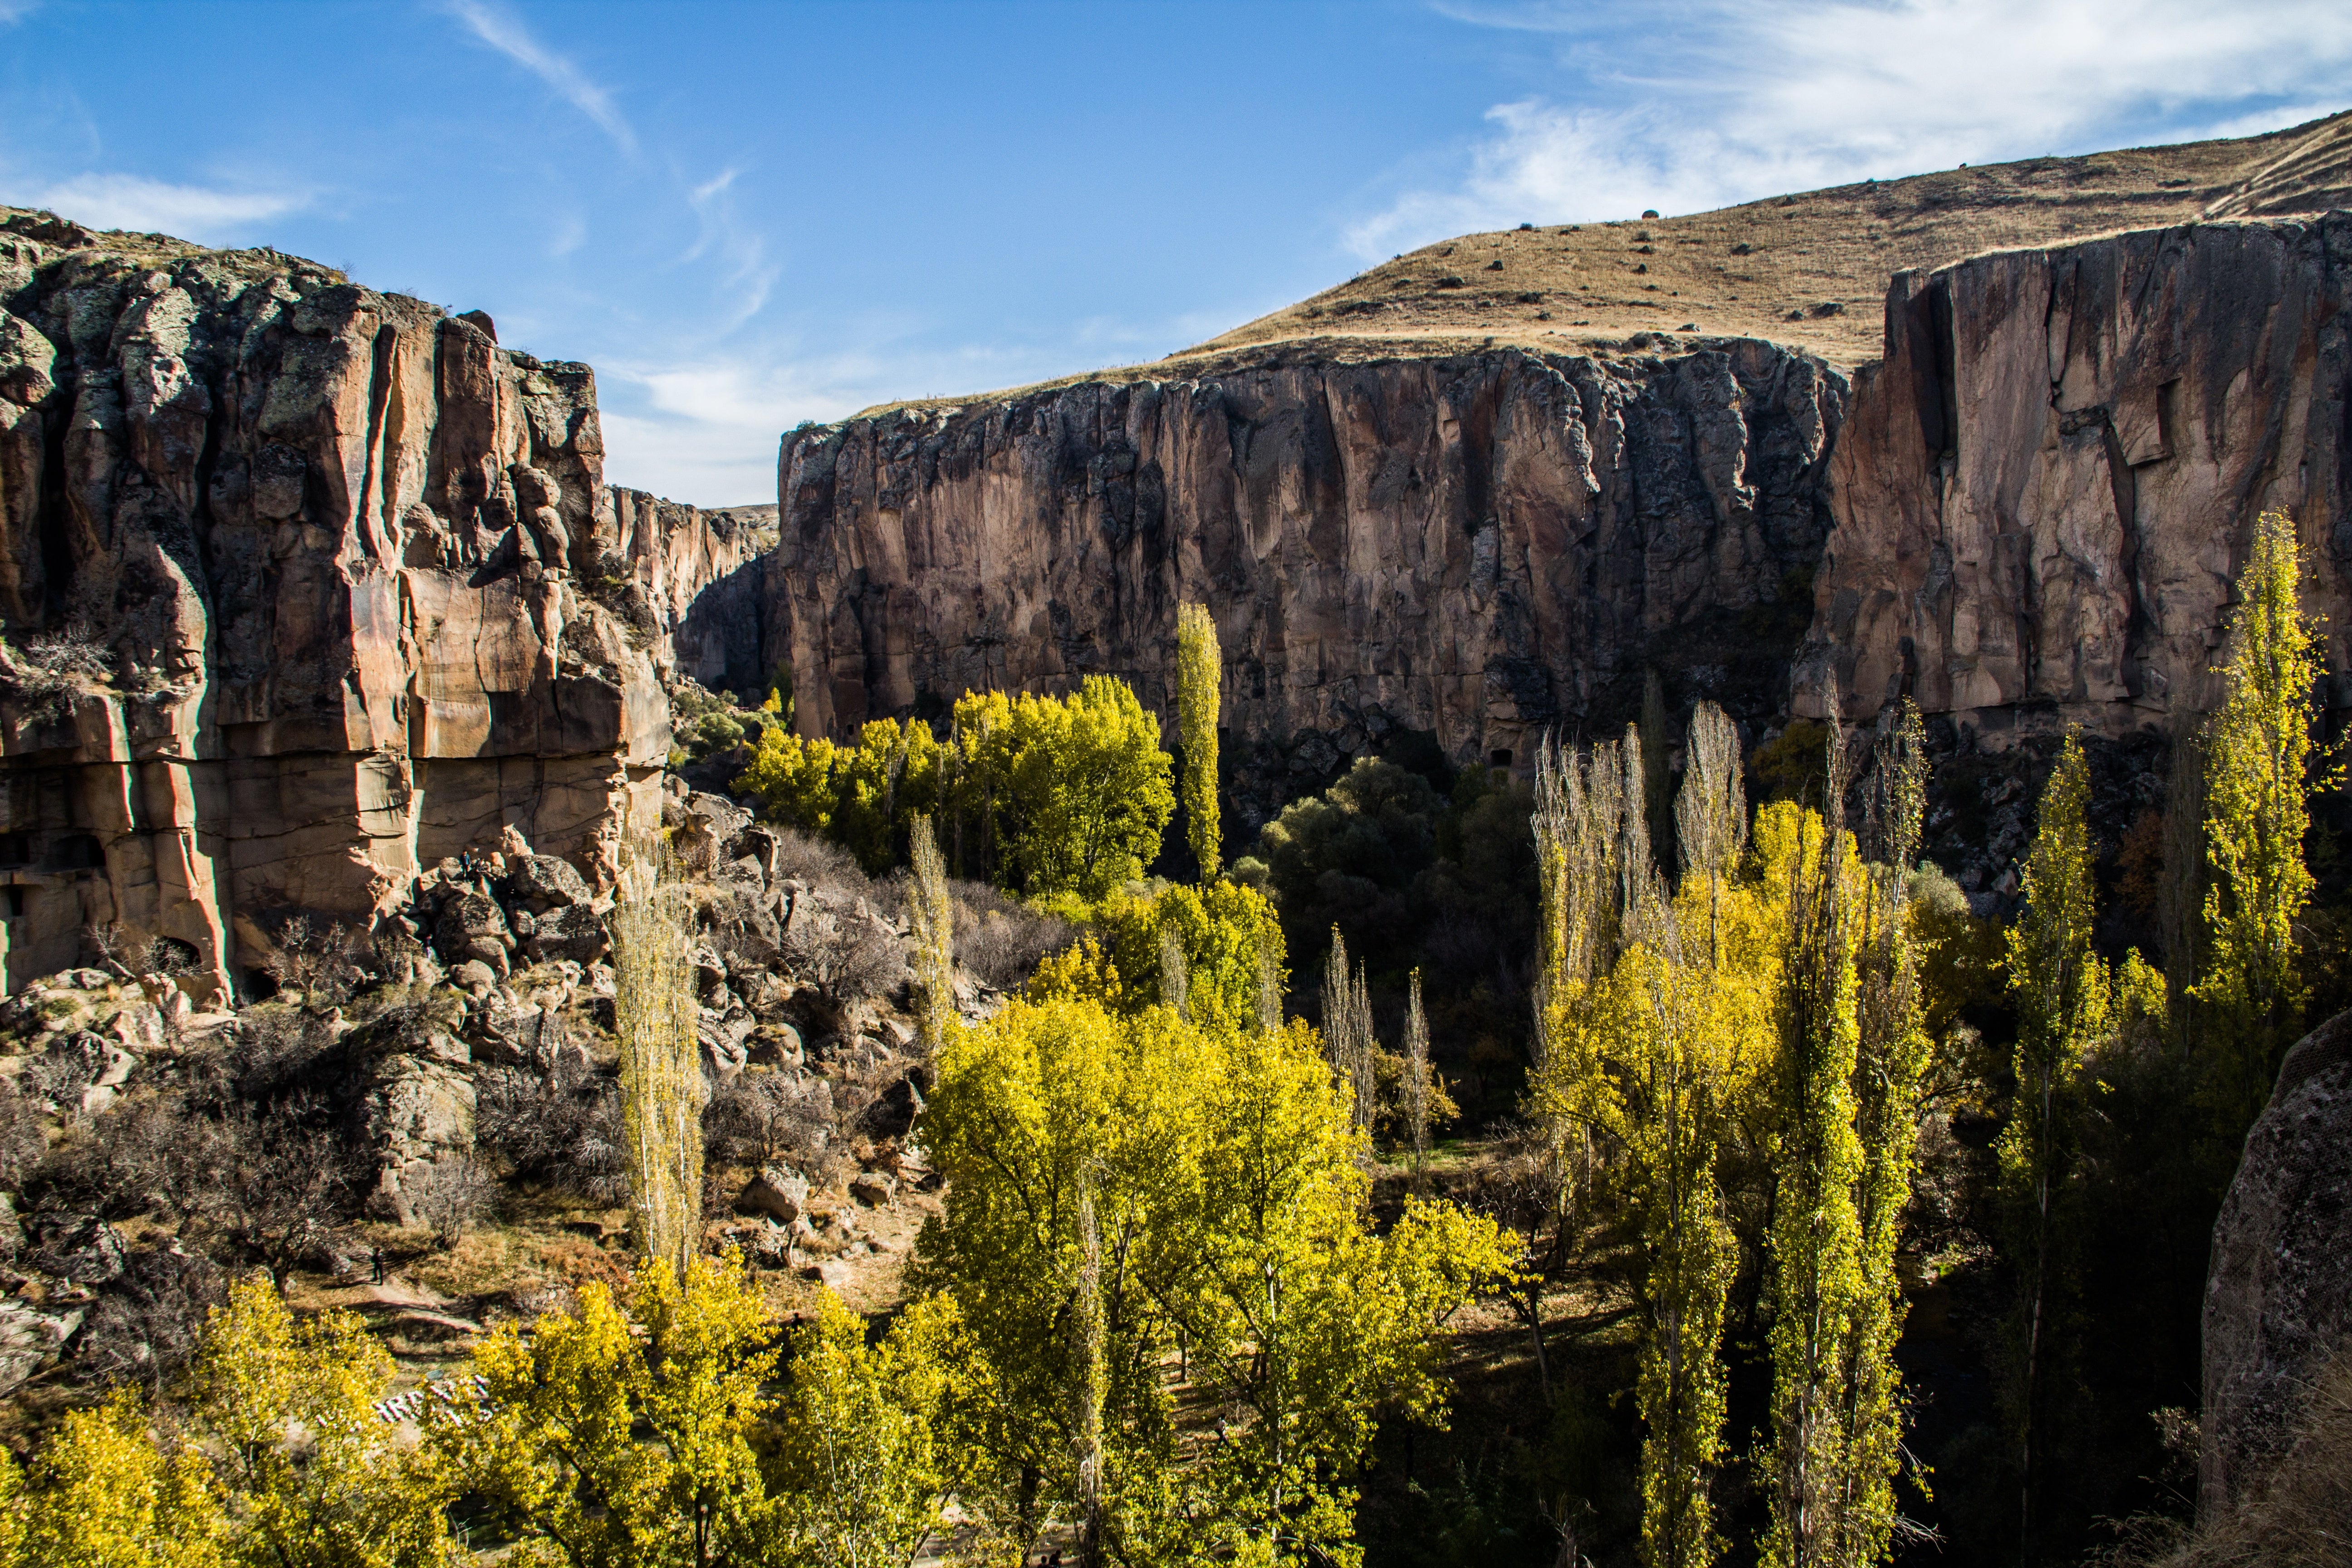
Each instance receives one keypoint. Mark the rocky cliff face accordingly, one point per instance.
(2047, 486)
(700, 572)
(1480, 547)
(298, 581)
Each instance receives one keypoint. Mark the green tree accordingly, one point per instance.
(2258, 761)
(2063, 997)
(314, 1478)
(1222, 1175)
(103, 1492)
(1199, 675)
(860, 1461)
(1091, 788)
(1219, 930)
(1649, 1057)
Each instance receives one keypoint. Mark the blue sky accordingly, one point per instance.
(746, 216)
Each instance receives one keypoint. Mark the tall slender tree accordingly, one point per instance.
(932, 908)
(1416, 1079)
(656, 1018)
(1815, 1281)
(1347, 1038)
(2063, 1000)
(2257, 787)
(1891, 1054)
(1199, 675)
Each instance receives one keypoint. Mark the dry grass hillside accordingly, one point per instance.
(1809, 270)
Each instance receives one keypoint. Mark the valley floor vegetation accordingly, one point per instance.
(1807, 1215)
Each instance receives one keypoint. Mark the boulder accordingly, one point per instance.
(569, 932)
(872, 1188)
(781, 1194)
(31, 1340)
(473, 928)
(544, 882)
(2278, 1301)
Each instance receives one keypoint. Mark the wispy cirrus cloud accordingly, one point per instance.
(507, 34)
(203, 213)
(1715, 103)
(741, 249)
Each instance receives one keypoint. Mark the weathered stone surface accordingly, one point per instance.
(2046, 491)
(31, 1340)
(321, 555)
(701, 576)
(778, 1193)
(412, 1096)
(1481, 546)
(2278, 1302)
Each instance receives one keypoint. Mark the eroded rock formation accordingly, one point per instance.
(2046, 488)
(701, 575)
(1480, 547)
(301, 585)
(2278, 1305)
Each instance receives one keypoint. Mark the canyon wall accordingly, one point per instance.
(2048, 484)
(701, 574)
(303, 588)
(1481, 547)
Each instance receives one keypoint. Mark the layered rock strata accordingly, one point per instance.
(300, 589)
(1481, 547)
(2047, 486)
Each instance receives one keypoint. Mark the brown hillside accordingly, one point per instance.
(1809, 270)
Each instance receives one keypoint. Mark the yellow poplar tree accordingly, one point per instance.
(658, 1022)
(2257, 809)
(1199, 673)
(1815, 1285)
(2063, 997)
(933, 908)
(1891, 1051)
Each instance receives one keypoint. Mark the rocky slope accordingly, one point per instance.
(305, 586)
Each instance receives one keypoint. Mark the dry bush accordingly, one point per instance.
(828, 869)
(147, 1325)
(50, 666)
(256, 1181)
(1002, 939)
(320, 965)
(450, 1196)
(2301, 1518)
(850, 963)
(22, 1145)
(773, 1119)
(558, 1124)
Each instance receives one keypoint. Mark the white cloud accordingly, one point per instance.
(741, 249)
(1754, 98)
(17, 10)
(506, 35)
(135, 202)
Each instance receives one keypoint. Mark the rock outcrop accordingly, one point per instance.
(2046, 488)
(2278, 1303)
(303, 588)
(1480, 547)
